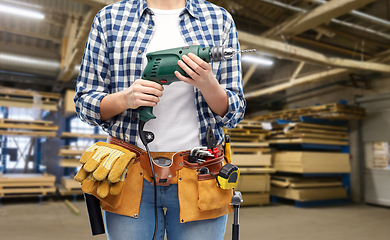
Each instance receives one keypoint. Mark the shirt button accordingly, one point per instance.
(133, 119)
(139, 51)
(150, 26)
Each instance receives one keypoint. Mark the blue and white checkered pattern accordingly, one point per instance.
(113, 55)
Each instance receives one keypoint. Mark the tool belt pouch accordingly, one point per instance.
(210, 196)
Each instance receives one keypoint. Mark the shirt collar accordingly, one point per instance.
(191, 8)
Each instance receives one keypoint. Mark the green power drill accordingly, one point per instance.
(162, 65)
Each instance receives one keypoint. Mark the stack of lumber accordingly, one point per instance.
(10, 97)
(311, 162)
(300, 133)
(377, 155)
(69, 157)
(17, 185)
(249, 145)
(308, 159)
(251, 153)
(307, 189)
(333, 111)
(13, 127)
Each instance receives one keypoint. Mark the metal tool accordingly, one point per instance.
(236, 201)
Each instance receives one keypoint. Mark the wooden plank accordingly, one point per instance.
(254, 183)
(83, 135)
(26, 103)
(256, 170)
(69, 183)
(14, 191)
(255, 159)
(309, 135)
(317, 16)
(249, 144)
(309, 194)
(70, 152)
(42, 122)
(27, 177)
(72, 207)
(311, 162)
(24, 93)
(65, 192)
(70, 162)
(28, 126)
(308, 140)
(255, 199)
(312, 125)
(28, 133)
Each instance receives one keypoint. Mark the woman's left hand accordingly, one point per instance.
(200, 72)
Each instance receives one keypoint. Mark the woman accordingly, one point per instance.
(109, 92)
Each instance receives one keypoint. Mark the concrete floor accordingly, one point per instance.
(53, 220)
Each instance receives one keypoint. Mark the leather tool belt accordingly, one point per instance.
(166, 164)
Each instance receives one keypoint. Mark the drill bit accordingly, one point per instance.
(245, 51)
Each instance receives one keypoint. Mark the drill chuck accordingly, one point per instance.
(221, 53)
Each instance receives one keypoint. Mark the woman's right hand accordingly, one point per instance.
(143, 93)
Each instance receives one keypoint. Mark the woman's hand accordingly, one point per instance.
(200, 72)
(202, 77)
(142, 93)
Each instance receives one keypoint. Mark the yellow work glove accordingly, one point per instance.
(103, 187)
(106, 159)
(104, 166)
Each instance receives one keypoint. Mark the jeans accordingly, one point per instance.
(120, 227)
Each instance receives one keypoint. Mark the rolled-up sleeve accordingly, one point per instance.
(231, 81)
(94, 77)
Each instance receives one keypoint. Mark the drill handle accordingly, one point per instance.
(146, 113)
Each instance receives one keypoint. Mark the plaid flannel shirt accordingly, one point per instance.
(117, 42)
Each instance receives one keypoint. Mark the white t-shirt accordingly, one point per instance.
(176, 126)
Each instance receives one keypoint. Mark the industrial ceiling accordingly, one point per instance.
(337, 37)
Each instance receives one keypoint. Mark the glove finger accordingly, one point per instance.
(88, 185)
(116, 188)
(119, 166)
(104, 168)
(87, 155)
(94, 162)
(103, 189)
(81, 175)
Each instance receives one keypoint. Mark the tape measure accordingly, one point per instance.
(228, 176)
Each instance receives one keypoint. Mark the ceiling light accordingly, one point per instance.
(258, 60)
(21, 12)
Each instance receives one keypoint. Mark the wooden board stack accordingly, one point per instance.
(251, 153)
(307, 149)
(69, 157)
(307, 189)
(19, 185)
(297, 132)
(334, 111)
(11, 97)
(13, 127)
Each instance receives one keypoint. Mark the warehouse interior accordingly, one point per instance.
(313, 148)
